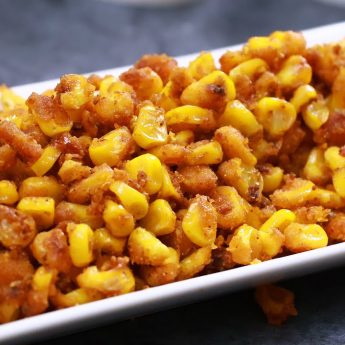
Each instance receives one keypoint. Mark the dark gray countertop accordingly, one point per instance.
(41, 39)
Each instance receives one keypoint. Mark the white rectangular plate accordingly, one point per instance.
(60, 322)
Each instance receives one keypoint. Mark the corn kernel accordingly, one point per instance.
(276, 115)
(8, 192)
(190, 117)
(279, 220)
(112, 148)
(202, 65)
(145, 249)
(132, 200)
(194, 263)
(80, 238)
(204, 152)
(168, 190)
(200, 222)
(51, 127)
(17, 116)
(250, 68)
(116, 281)
(302, 96)
(334, 159)
(117, 219)
(111, 85)
(48, 158)
(238, 116)
(272, 179)
(337, 100)
(184, 137)
(295, 72)
(71, 171)
(167, 99)
(302, 237)
(326, 198)
(151, 166)
(339, 181)
(76, 297)
(106, 243)
(46, 186)
(315, 115)
(10, 100)
(160, 218)
(315, 168)
(150, 128)
(271, 242)
(42, 209)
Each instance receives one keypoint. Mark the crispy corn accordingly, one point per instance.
(8, 192)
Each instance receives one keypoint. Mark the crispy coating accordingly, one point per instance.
(312, 214)
(7, 158)
(336, 228)
(333, 131)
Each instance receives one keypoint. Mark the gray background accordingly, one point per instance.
(41, 39)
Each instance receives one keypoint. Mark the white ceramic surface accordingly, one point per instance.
(142, 302)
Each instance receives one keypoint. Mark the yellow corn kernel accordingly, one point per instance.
(145, 249)
(184, 137)
(204, 152)
(315, 115)
(48, 158)
(43, 279)
(132, 200)
(302, 237)
(302, 96)
(106, 243)
(190, 117)
(117, 219)
(112, 148)
(9, 310)
(110, 85)
(212, 91)
(202, 65)
(315, 168)
(46, 186)
(238, 116)
(250, 68)
(339, 181)
(17, 116)
(8, 192)
(194, 263)
(42, 209)
(151, 168)
(71, 171)
(231, 207)
(168, 190)
(276, 115)
(76, 297)
(326, 198)
(234, 144)
(10, 100)
(334, 159)
(163, 274)
(160, 218)
(116, 281)
(74, 91)
(200, 222)
(51, 127)
(167, 99)
(337, 99)
(68, 211)
(279, 220)
(80, 238)
(245, 245)
(295, 72)
(150, 128)
(272, 179)
(272, 242)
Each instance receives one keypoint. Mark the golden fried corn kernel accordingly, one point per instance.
(160, 218)
(250, 68)
(184, 137)
(204, 152)
(8, 192)
(245, 246)
(334, 159)
(272, 177)
(168, 189)
(145, 249)
(168, 100)
(302, 237)
(337, 100)
(9, 310)
(75, 297)
(10, 100)
(116, 281)
(110, 85)
(105, 242)
(200, 222)
(279, 220)
(71, 171)
(80, 238)
(234, 144)
(46, 186)
(149, 168)
(326, 198)
(132, 200)
(112, 148)
(202, 65)
(275, 114)
(194, 263)
(315, 115)
(212, 91)
(315, 168)
(48, 158)
(338, 178)
(117, 219)
(42, 209)
(302, 96)
(150, 128)
(238, 116)
(190, 117)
